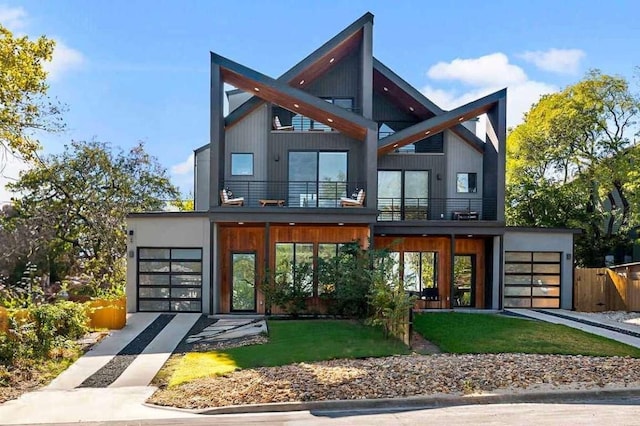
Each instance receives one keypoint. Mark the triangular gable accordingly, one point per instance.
(312, 66)
(280, 93)
(441, 122)
(423, 107)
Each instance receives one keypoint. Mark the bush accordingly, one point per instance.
(289, 291)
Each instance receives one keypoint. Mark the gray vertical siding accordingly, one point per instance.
(461, 158)
(201, 184)
(384, 111)
(250, 135)
(237, 99)
(343, 80)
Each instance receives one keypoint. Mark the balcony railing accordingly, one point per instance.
(293, 194)
(394, 209)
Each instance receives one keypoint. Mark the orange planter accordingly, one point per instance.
(4, 320)
(111, 314)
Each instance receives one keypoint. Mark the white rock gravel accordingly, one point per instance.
(631, 318)
(402, 376)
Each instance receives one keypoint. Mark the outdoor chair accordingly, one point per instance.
(350, 202)
(227, 201)
(278, 126)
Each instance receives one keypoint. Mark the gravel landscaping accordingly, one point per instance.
(402, 376)
(630, 318)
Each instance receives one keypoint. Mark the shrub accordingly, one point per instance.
(288, 291)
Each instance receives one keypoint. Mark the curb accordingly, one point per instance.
(415, 402)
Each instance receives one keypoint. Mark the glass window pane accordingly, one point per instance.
(411, 271)
(242, 164)
(546, 268)
(243, 282)
(517, 279)
(389, 195)
(186, 280)
(518, 268)
(186, 267)
(149, 266)
(153, 292)
(346, 103)
(546, 303)
(517, 256)
(153, 253)
(429, 270)
(146, 279)
(185, 306)
(547, 279)
(416, 184)
(546, 257)
(153, 305)
(517, 303)
(546, 291)
(517, 291)
(185, 293)
(284, 262)
(195, 254)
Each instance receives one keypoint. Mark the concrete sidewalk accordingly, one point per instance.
(63, 402)
(593, 329)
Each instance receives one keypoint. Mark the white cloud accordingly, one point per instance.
(64, 59)
(10, 168)
(183, 168)
(561, 61)
(13, 18)
(521, 91)
(182, 175)
(489, 70)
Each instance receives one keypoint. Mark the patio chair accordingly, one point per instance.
(350, 202)
(278, 126)
(227, 201)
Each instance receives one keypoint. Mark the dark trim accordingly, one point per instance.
(452, 259)
(253, 102)
(440, 122)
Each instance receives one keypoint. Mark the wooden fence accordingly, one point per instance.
(604, 289)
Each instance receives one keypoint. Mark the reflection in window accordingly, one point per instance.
(317, 179)
(403, 195)
(420, 271)
(466, 183)
(243, 270)
(242, 164)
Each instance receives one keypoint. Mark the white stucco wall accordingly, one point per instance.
(176, 231)
(541, 240)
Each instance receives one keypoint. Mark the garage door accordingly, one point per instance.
(532, 279)
(169, 279)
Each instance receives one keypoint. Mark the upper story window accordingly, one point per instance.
(467, 183)
(317, 178)
(242, 164)
(403, 195)
(346, 103)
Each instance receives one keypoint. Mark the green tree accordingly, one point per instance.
(573, 149)
(24, 106)
(84, 195)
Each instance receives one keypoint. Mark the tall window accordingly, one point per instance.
(420, 271)
(403, 195)
(467, 182)
(317, 179)
(294, 263)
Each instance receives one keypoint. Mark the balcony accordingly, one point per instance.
(422, 209)
(293, 194)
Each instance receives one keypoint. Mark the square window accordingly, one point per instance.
(466, 182)
(242, 164)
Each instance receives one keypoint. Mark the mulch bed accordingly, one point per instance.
(401, 376)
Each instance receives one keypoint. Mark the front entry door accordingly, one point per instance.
(243, 282)
(464, 280)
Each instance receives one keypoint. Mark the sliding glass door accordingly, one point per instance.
(403, 195)
(317, 179)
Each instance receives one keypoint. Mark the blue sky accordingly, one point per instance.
(139, 70)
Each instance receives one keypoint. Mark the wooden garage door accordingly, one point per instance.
(532, 279)
(169, 279)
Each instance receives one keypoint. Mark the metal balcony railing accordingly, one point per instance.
(293, 194)
(400, 209)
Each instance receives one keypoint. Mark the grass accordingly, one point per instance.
(485, 333)
(289, 342)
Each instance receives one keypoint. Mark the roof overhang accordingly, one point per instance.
(280, 93)
(313, 66)
(413, 101)
(439, 123)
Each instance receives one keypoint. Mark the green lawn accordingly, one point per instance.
(290, 341)
(485, 333)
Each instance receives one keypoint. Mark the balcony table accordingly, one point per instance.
(278, 203)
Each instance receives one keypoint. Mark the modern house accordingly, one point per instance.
(340, 148)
